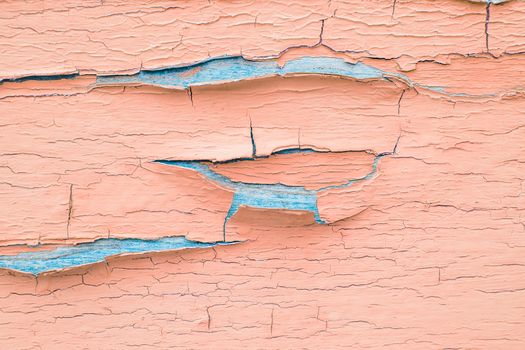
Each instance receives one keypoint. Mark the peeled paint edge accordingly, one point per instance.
(270, 196)
(70, 256)
(227, 69)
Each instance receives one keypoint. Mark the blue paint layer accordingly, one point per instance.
(41, 78)
(270, 196)
(87, 253)
(237, 68)
(227, 69)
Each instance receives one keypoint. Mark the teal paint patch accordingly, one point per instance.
(229, 69)
(270, 196)
(36, 262)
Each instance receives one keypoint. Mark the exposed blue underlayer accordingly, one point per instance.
(366, 177)
(236, 68)
(270, 196)
(224, 69)
(230, 69)
(87, 253)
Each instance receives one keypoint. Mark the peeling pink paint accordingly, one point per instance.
(312, 170)
(425, 250)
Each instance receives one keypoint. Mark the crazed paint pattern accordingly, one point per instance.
(223, 175)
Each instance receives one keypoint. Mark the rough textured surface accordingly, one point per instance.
(424, 248)
(110, 134)
(115, 36)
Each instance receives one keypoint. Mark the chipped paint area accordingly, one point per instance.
(63, 257)
(230, 69)
(222, 70)
(272, 196)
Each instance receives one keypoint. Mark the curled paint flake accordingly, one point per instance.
(228, 69)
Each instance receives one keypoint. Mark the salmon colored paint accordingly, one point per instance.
(388, 212)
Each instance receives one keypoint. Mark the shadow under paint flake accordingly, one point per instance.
(87, 253)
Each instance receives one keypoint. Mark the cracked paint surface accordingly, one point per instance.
(273, 196)
(36, 262)
(367, 157)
